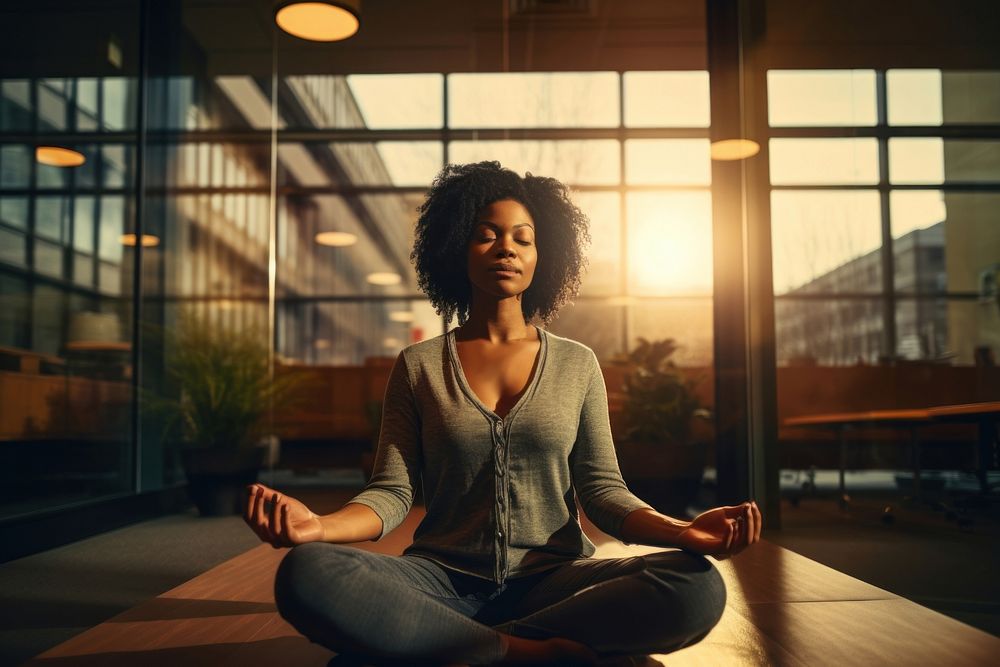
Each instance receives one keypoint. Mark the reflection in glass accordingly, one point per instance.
(595, 323)
(816, 98)
(833, 332)
(399, 101)
(411, 163)
(933, 161)
(667, 162)
(670, 243)
(666, 99)
(839, 161)
(687, 321)
(934, 97)
(533, 99)
(918, 232)
(573, 162)
(603, 209)
(825, 241)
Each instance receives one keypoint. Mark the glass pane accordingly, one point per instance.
(667, 162)
(352, 333)
(603, 209)
(595, 323)
(388, 101)
(83, 224)
(86, 105)
(922, 329)
(918, 233)
(834, 332)
(399, 163)
(826, 241)
(51, 104)
(249, 96)
(934, 97)
(816, 98)
(48, 258)
(51, 217)
(15, 165)
(573, 162)
(14, 211)
(65, 346)
(13, 246)
(411, 163)
(958, 238)
(670, 243)
(382, 230)
(962, 332)
(112, 217)
(687, 321)
(83, 269)
(533, 99)
(15, 105)
(935, 161)
(914, 96)
(116, 159)
(119, 103)
(824, 161)
(667, 99)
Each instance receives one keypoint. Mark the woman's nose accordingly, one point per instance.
(505, 248)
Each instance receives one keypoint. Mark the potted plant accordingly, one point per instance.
(659, 459)
(225, 392)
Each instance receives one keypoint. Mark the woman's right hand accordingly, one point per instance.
(287, 523)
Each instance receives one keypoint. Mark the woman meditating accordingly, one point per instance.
(502, 422)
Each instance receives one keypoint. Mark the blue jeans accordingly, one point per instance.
(411, 610)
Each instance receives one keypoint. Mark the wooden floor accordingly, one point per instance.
(784, 609)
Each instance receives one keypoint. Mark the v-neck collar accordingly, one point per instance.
(539, 365)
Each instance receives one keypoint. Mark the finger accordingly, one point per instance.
(251, 516)
(248, 506)
(760, 521)
(751, 522)
(739, 531)
(733, 511)
(730, 533)
(272, 524)
(258, 514)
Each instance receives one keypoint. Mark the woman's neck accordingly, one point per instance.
(496, 320)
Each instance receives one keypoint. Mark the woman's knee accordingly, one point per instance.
(302, 571)
(697, 594)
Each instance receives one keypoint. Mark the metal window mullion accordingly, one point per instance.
(622, 216)
(888, 260)
(139, 207)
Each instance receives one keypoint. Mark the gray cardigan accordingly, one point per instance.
(499, 492)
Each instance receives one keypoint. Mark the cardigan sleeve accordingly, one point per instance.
(398, 457)
(605, 498)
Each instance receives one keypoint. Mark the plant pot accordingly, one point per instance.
(218, 476)
(665, 474)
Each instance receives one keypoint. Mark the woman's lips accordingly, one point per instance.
(503, 274)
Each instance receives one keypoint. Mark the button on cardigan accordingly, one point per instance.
(499, 492)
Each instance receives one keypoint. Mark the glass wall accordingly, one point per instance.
(67, 317)
(240, 187)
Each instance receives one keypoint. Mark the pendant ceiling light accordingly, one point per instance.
(734, 149)
(148, 240)
(327, 21)
(336, 239)
(58, 156)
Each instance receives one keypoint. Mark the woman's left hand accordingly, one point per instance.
(723, 531)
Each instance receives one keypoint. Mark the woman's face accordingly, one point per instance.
(502, 252)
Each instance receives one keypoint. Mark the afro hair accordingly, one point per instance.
(448, 218)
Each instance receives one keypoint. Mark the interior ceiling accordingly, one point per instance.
(461, 36)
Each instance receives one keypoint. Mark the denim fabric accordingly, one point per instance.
(410, 610)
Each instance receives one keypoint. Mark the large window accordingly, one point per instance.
(884, 198)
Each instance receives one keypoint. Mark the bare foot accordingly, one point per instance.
(556, 651)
